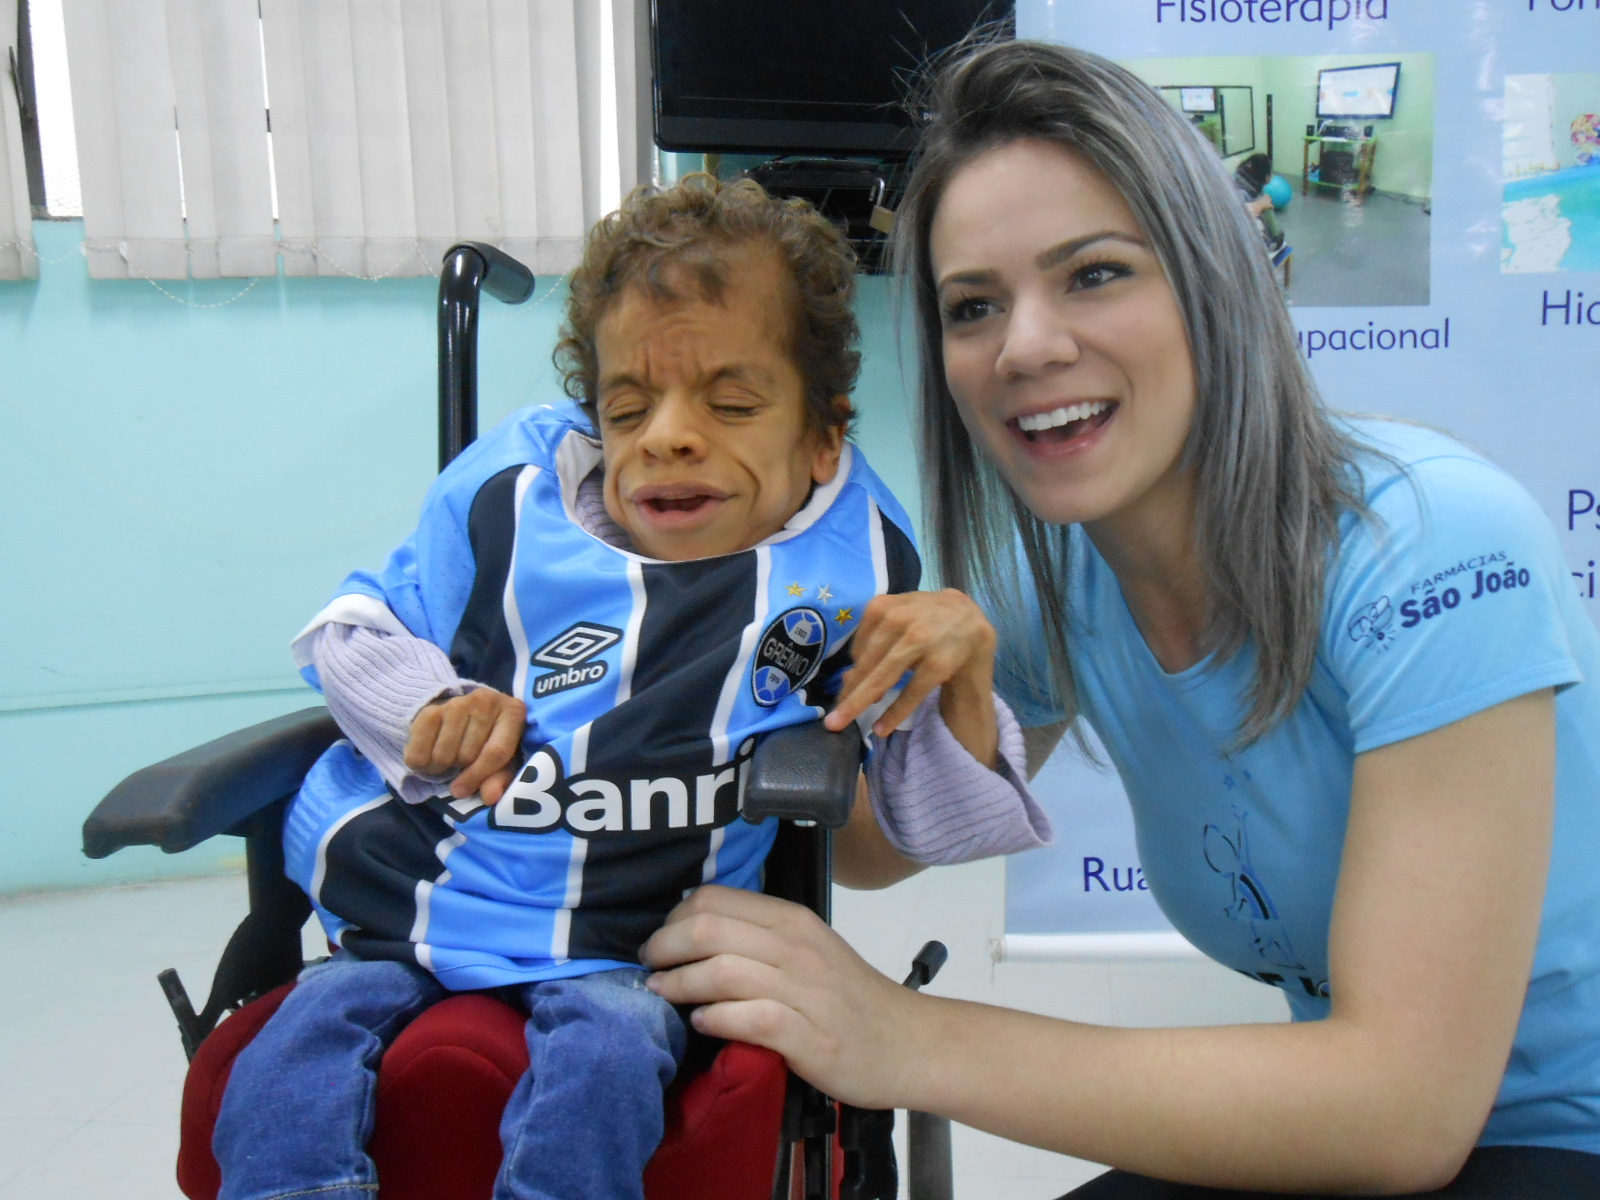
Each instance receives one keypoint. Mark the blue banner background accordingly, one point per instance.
(1520, 377)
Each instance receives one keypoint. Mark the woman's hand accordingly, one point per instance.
(479, 733)
(946, 642)
(770, 972)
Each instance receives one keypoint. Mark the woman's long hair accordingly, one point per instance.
(1273, 472)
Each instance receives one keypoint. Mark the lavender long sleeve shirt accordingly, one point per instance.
(933, 800)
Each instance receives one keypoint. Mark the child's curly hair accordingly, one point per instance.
(691, 226)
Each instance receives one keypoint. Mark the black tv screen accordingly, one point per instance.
(1357, 91)
(819, 77)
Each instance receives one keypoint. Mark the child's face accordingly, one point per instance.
(702, 415)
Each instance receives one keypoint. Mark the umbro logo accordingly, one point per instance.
(570, 652)
(578, 643)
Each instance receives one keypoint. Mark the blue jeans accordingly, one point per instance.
(299, 1105)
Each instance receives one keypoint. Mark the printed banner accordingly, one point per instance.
(1434, 167)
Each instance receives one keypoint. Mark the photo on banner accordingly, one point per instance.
(1341, 145)
(1552, 173)
(1434, 169)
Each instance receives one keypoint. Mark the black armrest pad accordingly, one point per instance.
(804, 773)
(202, 792)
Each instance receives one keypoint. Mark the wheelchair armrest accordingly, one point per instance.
(179, 803)
(804, 773)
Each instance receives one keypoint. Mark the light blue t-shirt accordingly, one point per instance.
(1458, 598)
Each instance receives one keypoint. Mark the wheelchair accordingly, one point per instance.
(739, 1126)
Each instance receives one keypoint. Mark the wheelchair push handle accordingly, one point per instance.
(928, 1148)
(925, 965)
(469, 268)
(867, 1134)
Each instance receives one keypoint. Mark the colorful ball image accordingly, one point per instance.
(1586, 137)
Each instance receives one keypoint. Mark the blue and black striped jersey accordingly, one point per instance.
(646, 682)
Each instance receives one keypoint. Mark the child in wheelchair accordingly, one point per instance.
(552, 690)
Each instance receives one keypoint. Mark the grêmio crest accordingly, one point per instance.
(788, 655)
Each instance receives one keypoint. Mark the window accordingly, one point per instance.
(338, 137)
(45, 97)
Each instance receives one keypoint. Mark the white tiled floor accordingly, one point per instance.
(91, 1067)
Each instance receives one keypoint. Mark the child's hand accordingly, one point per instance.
(480, 733)
(946, 642)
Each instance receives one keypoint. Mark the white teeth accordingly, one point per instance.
(1061, 416)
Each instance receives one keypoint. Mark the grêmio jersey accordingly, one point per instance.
(647, 684)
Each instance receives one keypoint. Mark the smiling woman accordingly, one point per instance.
(1063, 346)
(1391, 817)
(1145, 255)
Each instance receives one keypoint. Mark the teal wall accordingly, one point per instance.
(188, 470)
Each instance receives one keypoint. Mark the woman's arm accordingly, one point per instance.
(1433, 934)
(863, 858)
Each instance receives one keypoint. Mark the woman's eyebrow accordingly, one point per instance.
(1059, 253)
(975, 278)
(1045, 259)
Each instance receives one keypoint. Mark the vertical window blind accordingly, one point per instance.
(18, 260)
(349, 137)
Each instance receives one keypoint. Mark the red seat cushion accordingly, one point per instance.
(443, 1084)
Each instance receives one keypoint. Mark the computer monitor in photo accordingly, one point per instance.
(1197, 99)
(1365, 92)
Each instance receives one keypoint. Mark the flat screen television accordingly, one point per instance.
(820, 77)
(1197, 99)
(1357, 91)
